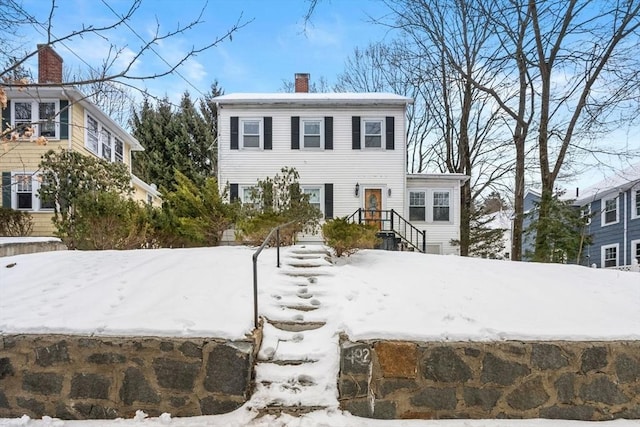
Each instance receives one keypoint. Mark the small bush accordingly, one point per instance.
(254, 230)
(347, 238)
(15, 223)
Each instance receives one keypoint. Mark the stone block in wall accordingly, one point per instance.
(485, 398)
(213, 406)
(378, 409)
(602, 390)
(174, 374)
(53, 354)
(90, 386)
(4, 402)
(46, 383)
(627, 369)
(355, 358)
(547, 356)
(503, 372)
(565, 388)
(444, 365)
(226, 370)
(436, 398)
(593, 358)
(190, 349)
(106, 358)
(573, 412)
(397, 359)
(529, 395)
(350, 388)
(136, 388)
(35, 406)
(6, 368)
(90, 411)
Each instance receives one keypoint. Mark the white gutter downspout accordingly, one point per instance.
(626, 231)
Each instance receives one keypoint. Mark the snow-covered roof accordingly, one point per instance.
(443, 176)
(621, 180)
(342, 98)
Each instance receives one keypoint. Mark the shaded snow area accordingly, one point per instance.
(208, 292)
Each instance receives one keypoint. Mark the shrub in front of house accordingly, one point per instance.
(15, 223)
(346, 238)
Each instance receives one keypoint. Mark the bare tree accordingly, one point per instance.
(118, 66)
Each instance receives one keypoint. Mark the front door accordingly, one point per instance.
(373, 206)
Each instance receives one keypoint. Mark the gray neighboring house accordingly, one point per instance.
(613, 206)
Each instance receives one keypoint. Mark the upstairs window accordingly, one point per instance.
(635, 203)
(417, 206)
(41, 116)
(312, 133)
(610, 211)
(251, 133)
(441, 206)
(372, 133)
(102, 142)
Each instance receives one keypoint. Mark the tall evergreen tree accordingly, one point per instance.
(209, 112)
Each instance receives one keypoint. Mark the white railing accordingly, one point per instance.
(634, 267)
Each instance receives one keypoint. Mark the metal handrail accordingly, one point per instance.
(255, 265)
(400, 229)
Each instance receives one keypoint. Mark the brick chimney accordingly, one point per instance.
(302, 83)
(49, 65)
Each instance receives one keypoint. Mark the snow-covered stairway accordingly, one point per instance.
(298, 360)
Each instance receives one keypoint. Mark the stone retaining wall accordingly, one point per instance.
(559, 380)
(19, 248)
(72, 377)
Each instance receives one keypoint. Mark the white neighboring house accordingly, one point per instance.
(350, 152)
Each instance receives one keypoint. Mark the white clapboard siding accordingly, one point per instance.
(342, 166)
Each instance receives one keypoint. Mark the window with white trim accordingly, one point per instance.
(41, 116)
(246, 196)
(373, 129)
(24, 192)
(635, 203)
(585, 213)
(251, 133)
(312, 133)
(635, 250)
(610, 210)
(441, 206)
(610, 255)
(315, 197)
(102, 142)
(417, 205)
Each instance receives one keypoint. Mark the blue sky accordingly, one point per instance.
(272, 47)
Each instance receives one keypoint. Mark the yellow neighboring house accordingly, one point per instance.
(66, 119)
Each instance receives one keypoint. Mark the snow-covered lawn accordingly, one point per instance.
(207, 292)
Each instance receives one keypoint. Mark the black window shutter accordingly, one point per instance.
(295, 133)
(6, 190)
(328, 133)
(355, 132)
(268, 133)
(328, 201)
(234, 133)
(390, 133)
(233, 192)
(6, 116)
(64, 119)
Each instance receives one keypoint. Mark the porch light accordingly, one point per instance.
(357, 189)
(389, 192)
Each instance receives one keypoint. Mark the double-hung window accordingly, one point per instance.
(315, 197)
(102, 142)
(610, 211)
(635, 203)
(36, 118)
(25, 191)
(417, 206)
(251, 133)
(441, 206)
(372, 134)
(610, 256)
(312, 133)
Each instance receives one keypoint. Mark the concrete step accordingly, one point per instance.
(294, 411)
(292, 326)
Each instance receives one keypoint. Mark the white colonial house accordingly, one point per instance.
(350, 152)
